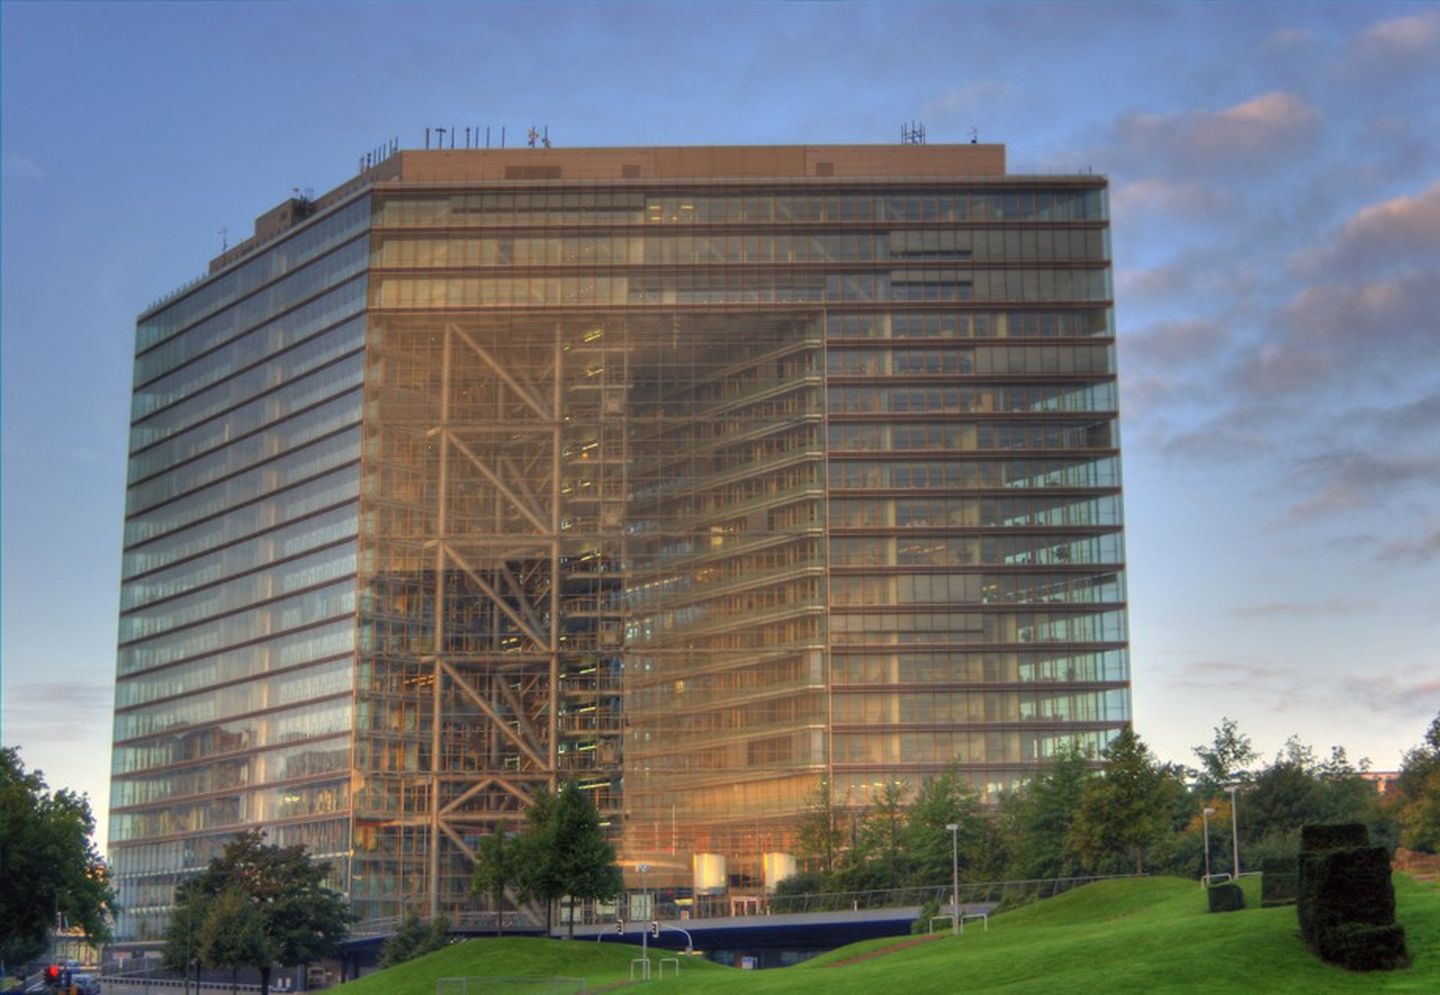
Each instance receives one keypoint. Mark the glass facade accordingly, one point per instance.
(697, 489)
(235, 686)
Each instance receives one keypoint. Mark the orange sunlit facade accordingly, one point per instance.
(700, 476)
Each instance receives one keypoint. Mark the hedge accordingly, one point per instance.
(1346, 902)
(1277, 881)
(1226, 898)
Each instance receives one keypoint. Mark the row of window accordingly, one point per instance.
(305, 571)
(318, 643)
(1026, 666)
(246, 521)
(978, 589)
(872, 627)
(976, 360)
(948, 550)
(721, 286)
(290, 540)
(709, 206)
(234, 773)
(962, 437)
(212, 385)
(315, 277)
(967, 400)
(240, 809)
(971, 474)
(294, 251)
(280, 438)
(297, 465)
(947, 748)
(1076, 323)
(874, 707)
(1029, 245)
(304, 722)
(206, 436)
(256, 623)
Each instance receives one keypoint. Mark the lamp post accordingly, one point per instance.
(1231, 789)
(1205, 814)
(644, 869)
(954, 828)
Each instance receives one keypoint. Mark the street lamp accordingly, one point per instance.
(1231, 789)
(1205, 814)
(954, 828)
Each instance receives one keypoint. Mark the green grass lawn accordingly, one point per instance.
(1148, 935)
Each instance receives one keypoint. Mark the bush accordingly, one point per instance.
(1358, 946)
(1277, 882)
(1346, 902)
(928, 911)
(1336, 837)
(1343, 886)
(1226, 898)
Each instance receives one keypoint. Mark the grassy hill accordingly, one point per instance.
(1150, 935)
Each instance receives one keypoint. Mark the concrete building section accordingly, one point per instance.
(700, 476)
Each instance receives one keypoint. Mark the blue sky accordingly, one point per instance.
(1275, 175)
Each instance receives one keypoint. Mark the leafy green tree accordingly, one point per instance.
(1224, 760)
(820, 831)
(563, 851)
(1298, 789)
(181, 951)
(495, 870)
(49, 863)
(233, 934)
(415, 938)
(1129, 807)
(1037, 818)
(877, 857)
(585, 858)
(1419, 792)
(301, 918)
(943, 801)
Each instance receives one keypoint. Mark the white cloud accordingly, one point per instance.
(18, 167)
(1246, 136)
(1413, 35)
(969, 99)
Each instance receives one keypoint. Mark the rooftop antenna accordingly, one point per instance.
(912, 133)
(974, 137)
(224, 239)
(533, 136)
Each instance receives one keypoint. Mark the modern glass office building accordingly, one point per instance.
(697, 475)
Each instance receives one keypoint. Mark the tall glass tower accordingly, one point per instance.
(701, 476)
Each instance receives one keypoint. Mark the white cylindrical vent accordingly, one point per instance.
(778, 867)
(709, 873)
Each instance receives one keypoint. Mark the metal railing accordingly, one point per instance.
(709, 907)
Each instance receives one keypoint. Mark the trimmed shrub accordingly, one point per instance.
(1346, 902)
(1277, 882)
(1334, 837)
(1226, 898)
(1340, 886)
(1359, 946)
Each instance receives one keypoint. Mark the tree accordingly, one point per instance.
(234, 935)
(882, 839)
(585, 859)
(1419, 792)
(820, 831)
(495, 871)
(1037, 818)
(301, 919)
(1129, 806)
(182, 938)
(415, 938)
(941, 802)
(563, 851)
(49, 862)
(1225, 760)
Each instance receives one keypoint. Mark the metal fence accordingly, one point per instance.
(702, 907)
